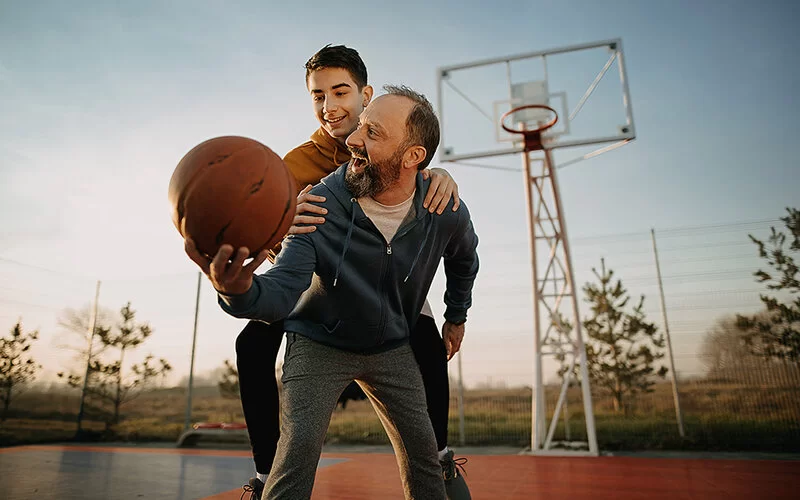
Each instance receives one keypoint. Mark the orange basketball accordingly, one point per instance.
(232, 190)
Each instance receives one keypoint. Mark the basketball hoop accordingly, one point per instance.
(533, 137)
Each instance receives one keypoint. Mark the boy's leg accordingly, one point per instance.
(431, 355)
(394, 386)
(314, 376)
(256, 350)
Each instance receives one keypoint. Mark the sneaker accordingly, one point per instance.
(453, 472)
(254, 487)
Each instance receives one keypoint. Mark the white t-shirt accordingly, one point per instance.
(387, 218)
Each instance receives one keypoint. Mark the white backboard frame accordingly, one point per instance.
(558, 138)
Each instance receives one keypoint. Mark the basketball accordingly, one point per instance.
(232, 190)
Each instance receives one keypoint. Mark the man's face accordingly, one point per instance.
(377, 146)
(337, 100)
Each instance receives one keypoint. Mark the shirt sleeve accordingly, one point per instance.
(274, 294)
(461, 268)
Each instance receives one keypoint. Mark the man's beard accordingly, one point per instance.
(375, 178)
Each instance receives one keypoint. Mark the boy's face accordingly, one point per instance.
(337, 100)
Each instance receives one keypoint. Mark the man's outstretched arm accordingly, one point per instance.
(268, 297)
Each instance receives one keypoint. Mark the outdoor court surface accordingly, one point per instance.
(85, 472)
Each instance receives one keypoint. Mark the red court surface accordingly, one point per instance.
(153, 473)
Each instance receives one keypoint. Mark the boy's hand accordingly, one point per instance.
(442, 188)
(305, 206)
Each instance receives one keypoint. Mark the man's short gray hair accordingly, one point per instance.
(422, 125)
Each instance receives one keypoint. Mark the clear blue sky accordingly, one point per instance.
(99, 100)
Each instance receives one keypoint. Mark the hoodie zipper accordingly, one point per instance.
(387, 261)
(404, 230)
(384, 271)
(385, 266)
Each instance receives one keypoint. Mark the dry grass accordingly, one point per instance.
(719, 416)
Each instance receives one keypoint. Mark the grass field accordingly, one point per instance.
(716, 417)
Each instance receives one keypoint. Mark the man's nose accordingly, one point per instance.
(354, 139)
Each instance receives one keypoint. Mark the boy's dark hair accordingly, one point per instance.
(422, 126)
(339, 56)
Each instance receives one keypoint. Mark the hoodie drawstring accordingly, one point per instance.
(336, 153)
(347, 240)
(350, 234)
(419, 252)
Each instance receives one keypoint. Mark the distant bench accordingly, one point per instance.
(216, 432)
(222, 432)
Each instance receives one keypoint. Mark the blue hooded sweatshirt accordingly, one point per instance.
(345, 286)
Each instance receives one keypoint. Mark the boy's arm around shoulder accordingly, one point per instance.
(460, 267)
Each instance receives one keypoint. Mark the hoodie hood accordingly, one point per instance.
(335, 183)
(316, 158)
(329, 148)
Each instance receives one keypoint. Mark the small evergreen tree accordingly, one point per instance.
(107, 388)
(622, 347)
(16, 366)
(777, 334)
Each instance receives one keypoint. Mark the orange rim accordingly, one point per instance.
(534, 131)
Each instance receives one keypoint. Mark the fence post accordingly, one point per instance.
(461, 437)
(675, 394)
(188, 420)
(92, 327)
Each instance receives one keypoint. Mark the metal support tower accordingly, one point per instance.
(553, 292)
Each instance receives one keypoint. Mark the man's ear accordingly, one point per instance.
(366, 93)
(414, 156)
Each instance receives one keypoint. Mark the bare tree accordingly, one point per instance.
(731, 354)
(229, 381)
(76, 322)
(725, 351)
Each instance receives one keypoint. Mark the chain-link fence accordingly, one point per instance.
(729, 397)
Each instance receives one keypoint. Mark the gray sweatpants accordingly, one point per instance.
(314, 375)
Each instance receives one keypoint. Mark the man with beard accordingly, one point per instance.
(336, 80)
(349, 291)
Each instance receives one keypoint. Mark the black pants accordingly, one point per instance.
(257, 349)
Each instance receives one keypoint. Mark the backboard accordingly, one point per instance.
(586, 85)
